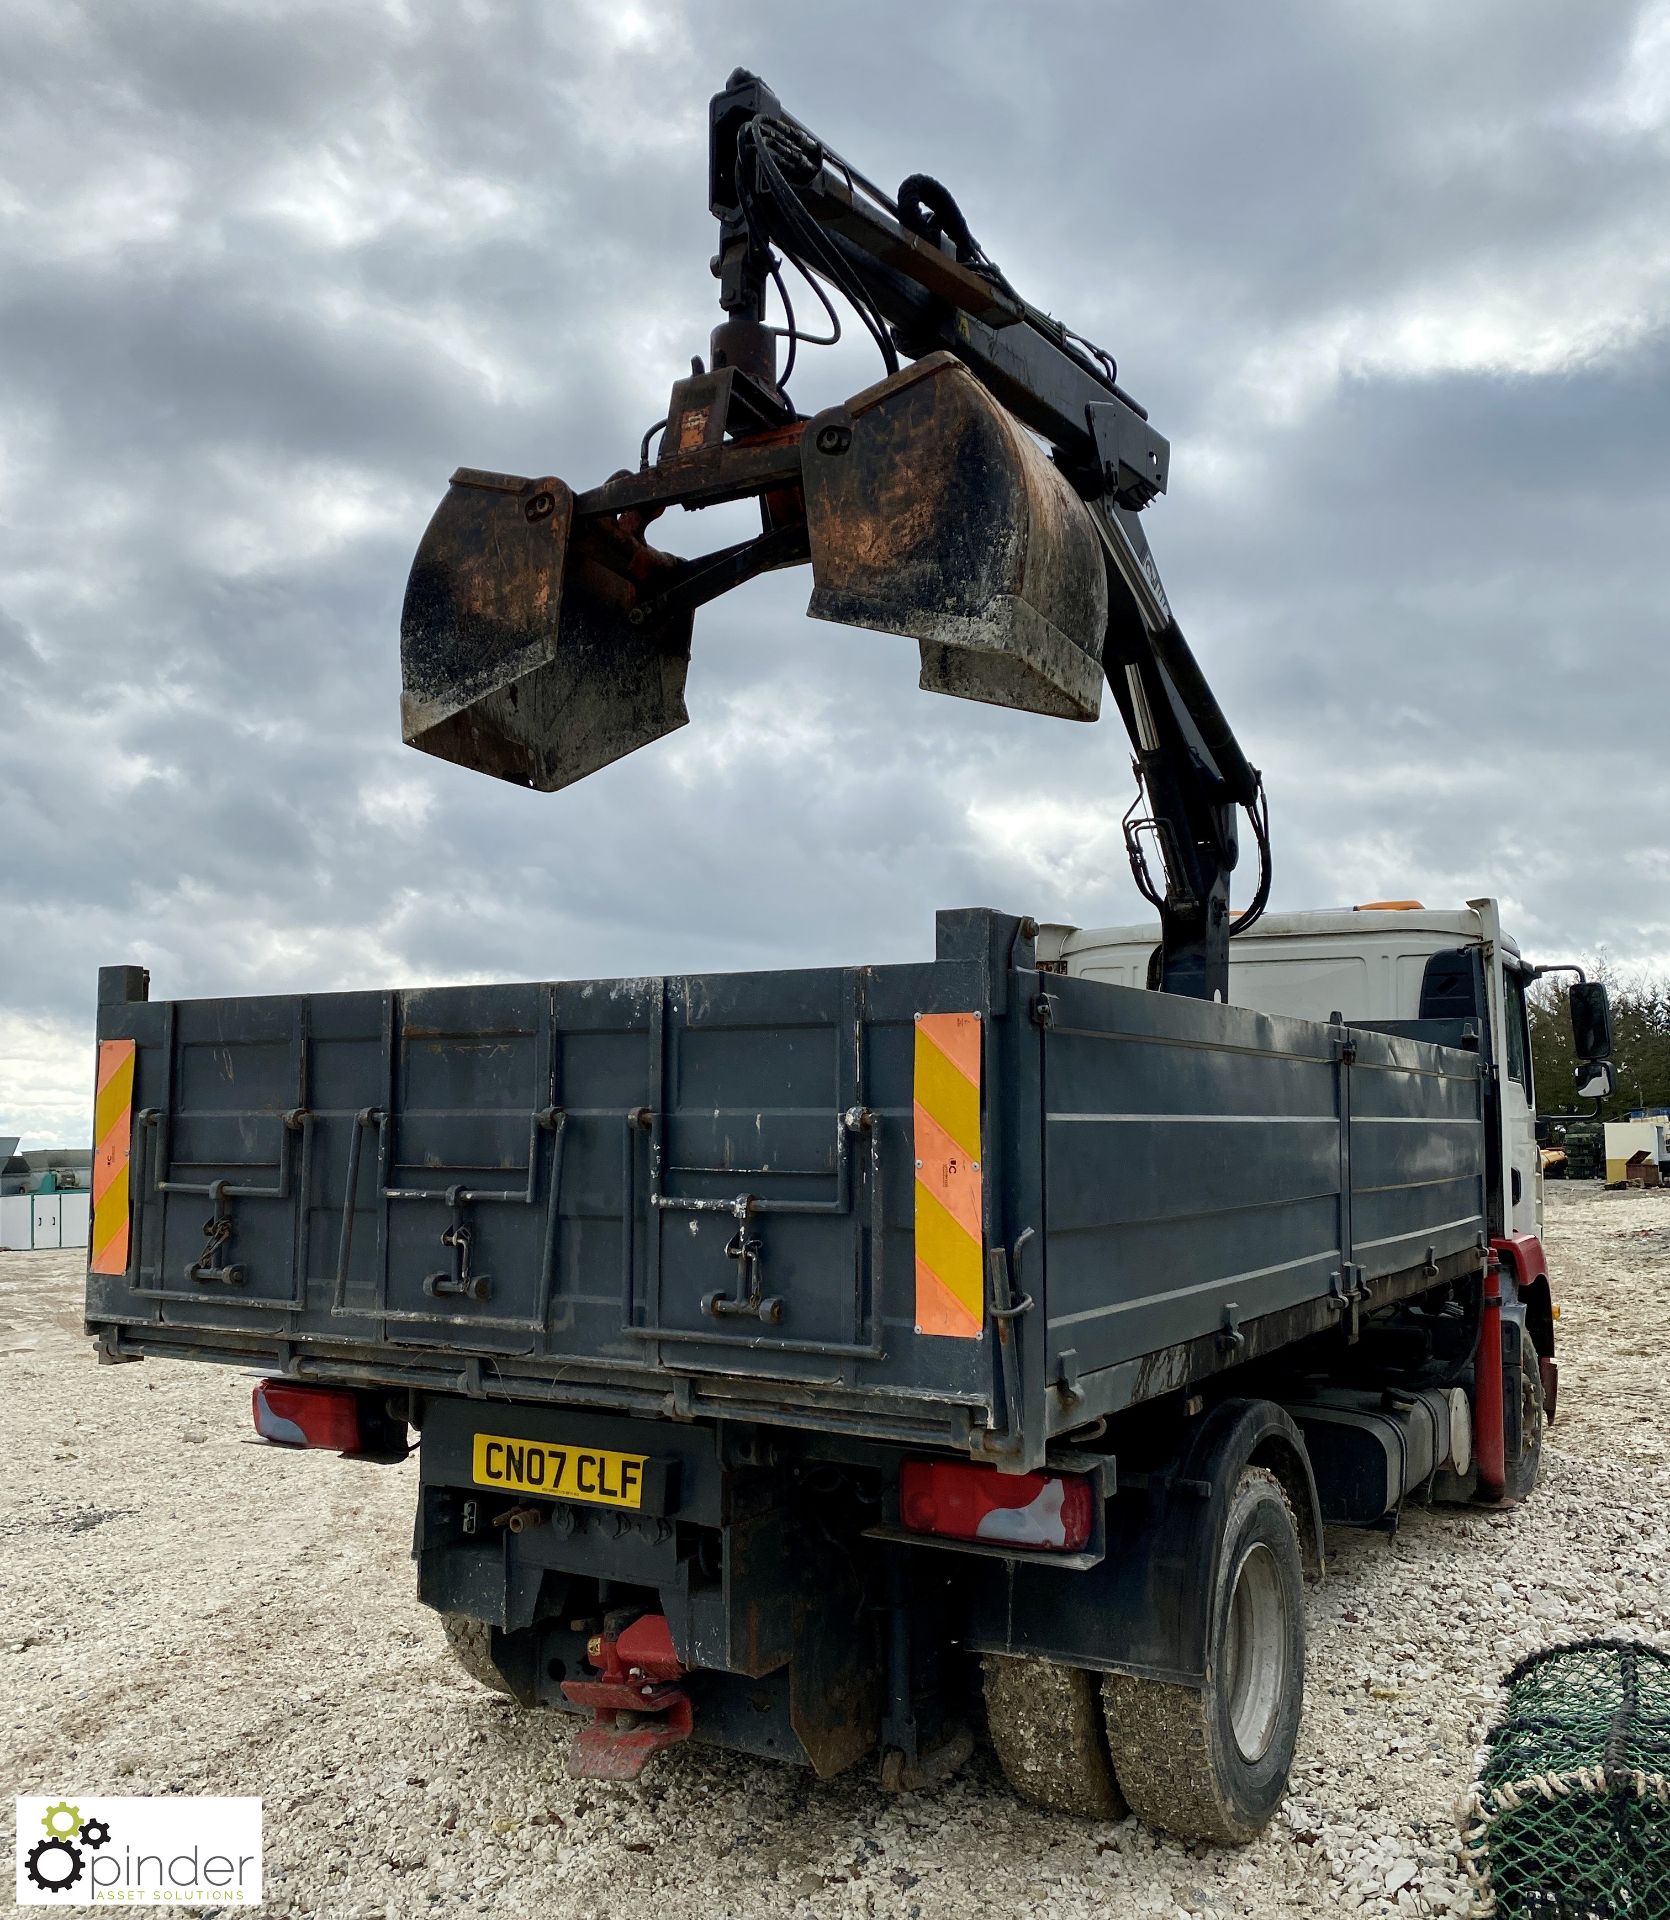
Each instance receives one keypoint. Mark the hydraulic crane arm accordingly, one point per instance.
(543, 636)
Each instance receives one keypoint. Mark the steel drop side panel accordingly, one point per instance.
(697, 1195)
(1219, 1180)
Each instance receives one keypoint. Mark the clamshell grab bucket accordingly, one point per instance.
(933, 513)
(518, 655)
(538, 643)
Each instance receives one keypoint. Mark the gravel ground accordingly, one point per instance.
(185, 1610)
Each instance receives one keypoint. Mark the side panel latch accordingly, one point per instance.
(750, 1301)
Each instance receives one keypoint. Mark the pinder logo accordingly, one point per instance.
(168, 1850)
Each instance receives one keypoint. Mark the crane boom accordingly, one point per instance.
(543, 636)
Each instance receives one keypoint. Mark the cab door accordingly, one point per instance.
(1519, 1112)
(1507, 979)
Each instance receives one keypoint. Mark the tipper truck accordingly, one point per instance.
(846, 1364)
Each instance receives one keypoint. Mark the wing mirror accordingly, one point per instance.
(1591, 1021)
(1596, 1079)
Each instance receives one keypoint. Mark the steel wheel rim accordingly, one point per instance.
(1255, 1663)
(1530, 1409)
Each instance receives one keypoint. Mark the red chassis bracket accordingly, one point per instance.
(1522, 1255)
(637, 1709)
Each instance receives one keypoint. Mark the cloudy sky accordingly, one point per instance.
(1395, 280)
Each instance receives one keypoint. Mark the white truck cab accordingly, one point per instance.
(1387, 961)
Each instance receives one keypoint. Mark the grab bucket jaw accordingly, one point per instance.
(933, 513)
(518, 653)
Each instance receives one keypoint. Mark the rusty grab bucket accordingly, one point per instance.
(519, 655)
(539, 643)
(933, 513)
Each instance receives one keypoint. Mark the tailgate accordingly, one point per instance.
(580, 1187)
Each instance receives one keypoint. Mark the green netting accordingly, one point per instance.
(1570, 1818)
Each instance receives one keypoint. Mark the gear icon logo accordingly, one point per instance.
(62, 1822)
(54, 1865)
(59, 1860)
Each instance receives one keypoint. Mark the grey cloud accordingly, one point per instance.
(271, 275)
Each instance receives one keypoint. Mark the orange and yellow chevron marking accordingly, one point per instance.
(112, 1142)
(950, 1242)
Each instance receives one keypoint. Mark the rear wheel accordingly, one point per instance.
(471, 1642)
(1046, 1724)
(1211, 1762)
(1525, 1466)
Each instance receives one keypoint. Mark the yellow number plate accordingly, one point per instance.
(560, 1473)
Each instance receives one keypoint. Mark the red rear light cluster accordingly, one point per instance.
(959, 1500)
(294, 1415)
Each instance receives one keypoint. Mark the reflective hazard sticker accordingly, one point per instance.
(112, 1141)
(950, 1238)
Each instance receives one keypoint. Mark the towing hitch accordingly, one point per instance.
(637, 1709)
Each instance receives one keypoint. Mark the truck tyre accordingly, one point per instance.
(1210, 1763)
(471, 1642)
(1046, 1724)
(1525, 1466)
